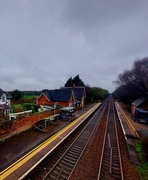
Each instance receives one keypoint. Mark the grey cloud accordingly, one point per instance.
(43, 43)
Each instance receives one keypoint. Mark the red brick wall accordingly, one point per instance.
(16, 126)
(44, 101)
(63, 104)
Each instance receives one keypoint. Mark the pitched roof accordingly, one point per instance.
(1, 92)
(79, 91)
(139, 101)
(58, 95)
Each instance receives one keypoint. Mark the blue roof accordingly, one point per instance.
(79, 91)
(58, 95)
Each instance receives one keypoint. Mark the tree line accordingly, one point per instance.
(130, 84)
(92, 93)
(133, 83)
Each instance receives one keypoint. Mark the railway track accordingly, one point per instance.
(88, 149)
(64, 166)
(111, 164)
(69, 157)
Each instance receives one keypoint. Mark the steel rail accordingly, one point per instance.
(110, 163)
(77, 147)
(102, 112)
(103, 146)
(118, 145)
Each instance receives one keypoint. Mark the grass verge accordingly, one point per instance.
(143, 169)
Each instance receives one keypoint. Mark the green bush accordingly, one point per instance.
(140, 149)
(17, 108)
(28, 106)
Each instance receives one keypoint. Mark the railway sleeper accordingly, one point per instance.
(107, 149)
(57, 171)
(116, 176)
(71, 153)
(105, 170)
(63, 163)
(105, 161)
(66, 163)
(69, 160)
(106, 157)
(76, 148)
(114, 146)
(105, 165)
(116, 162)
(63, 167)
(103, 173)
(84, 138)
(63, 177)
(66, 171)
(52, 176)
(69, 156)
(81, 140)
(68, 168)
(104, 178)
(116, 172)
(115, 155)
(81, 145)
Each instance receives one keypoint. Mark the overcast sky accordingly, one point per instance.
(45, 42)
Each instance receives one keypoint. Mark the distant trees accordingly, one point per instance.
(69, 82)
(135, 81)
(16, 95)
(95, 94)
(76, 81)
(92, 93)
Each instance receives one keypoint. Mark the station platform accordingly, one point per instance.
(130, 133)
(19, 169)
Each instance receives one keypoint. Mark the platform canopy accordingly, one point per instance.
(52, 117)
(142, 110)
(67, 108)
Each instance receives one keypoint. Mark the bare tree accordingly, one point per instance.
(136, 79)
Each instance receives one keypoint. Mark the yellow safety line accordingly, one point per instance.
(130, 123)
(33, 152)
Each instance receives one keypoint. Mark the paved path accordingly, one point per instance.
(142, 128)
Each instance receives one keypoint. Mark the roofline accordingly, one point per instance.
(44, 96)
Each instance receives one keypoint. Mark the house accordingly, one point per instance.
(55, 97)
(79, 96)
(139, 109)
(4, 102)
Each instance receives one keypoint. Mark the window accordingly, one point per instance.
(3, 98)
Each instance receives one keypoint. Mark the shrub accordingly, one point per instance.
(143, 168)
(28, 106)
(17, 108)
